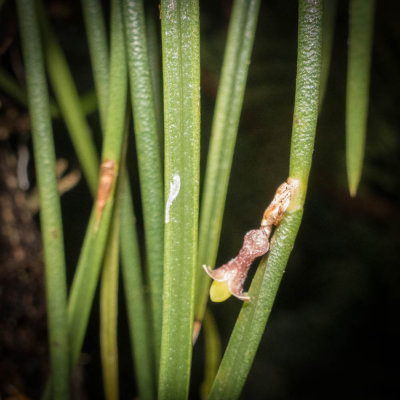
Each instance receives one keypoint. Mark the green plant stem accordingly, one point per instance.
(308, 77)
(148, 152)
(223, 138)
(328, 33)
(10, 86)
(212, 343)
(138, 316)
(68, 100)
(97, 39)
(154, 51)
(357, 90)
(109, 310)
(181, 73)
(50, 211)
(87, 273)
(254, 315)
(135, 301)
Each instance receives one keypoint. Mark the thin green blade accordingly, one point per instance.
(357, 90)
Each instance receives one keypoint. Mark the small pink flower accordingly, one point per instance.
(229, 278)
(234, 272)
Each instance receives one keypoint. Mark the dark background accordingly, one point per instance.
(334, 330)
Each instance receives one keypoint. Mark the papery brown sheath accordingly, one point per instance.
(107, 177)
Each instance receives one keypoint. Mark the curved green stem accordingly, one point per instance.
(138, 315)
(50, 212)
(10, 86)
(88, 269)
(254, 315)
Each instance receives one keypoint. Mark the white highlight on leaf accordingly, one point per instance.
(174, 188)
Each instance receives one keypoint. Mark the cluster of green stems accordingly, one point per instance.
(181, 234)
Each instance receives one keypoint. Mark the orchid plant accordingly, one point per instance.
(181, 233)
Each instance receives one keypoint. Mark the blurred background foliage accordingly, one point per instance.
(334, 331)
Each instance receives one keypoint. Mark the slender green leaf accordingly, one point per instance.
(97, 39)
(131, 267)
(254, 315)
(154, 51)
(50, 212)
(308, 77)
(328, 33)
(10, 86)
(212, 353)
(181, 73)
(224, 130)
(88, 102)
(135, 300)
(109, 310)
(90, 260)
(68, 100)
(357, 90)
(148, 152)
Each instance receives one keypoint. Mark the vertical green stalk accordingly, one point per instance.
(141, 340)
(224, 130)
(154, 50)
(254, 315)
(97, 39)
(69, 102)
(181, 76)
(91, 257)
(50, 212)
(328, 33)
(138, 315)
(148, 152)
(309, 54)
(109, 310)
(357, 90)
(212, 352)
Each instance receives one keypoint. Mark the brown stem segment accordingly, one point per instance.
(107, 177)
(274, 213)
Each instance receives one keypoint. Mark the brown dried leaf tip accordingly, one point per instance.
(229, 278)
(107, 176)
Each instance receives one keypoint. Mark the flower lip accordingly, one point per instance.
(255, 244)
(234, 272)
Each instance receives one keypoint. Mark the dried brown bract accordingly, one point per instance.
(107, 177)
(274, 213)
